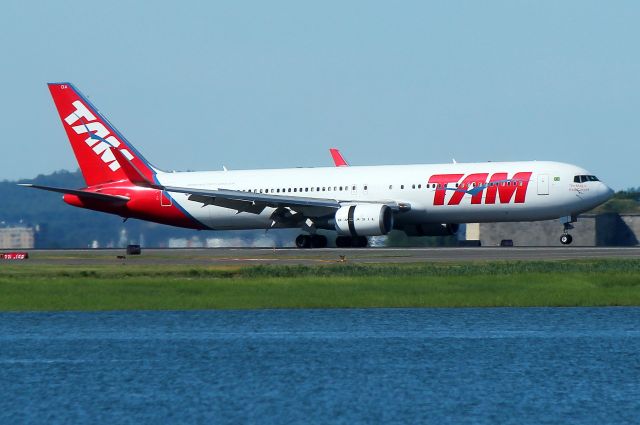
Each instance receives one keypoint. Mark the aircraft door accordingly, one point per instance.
(165, 200)
(543, 184)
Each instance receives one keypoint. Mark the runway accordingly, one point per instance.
(292, 256)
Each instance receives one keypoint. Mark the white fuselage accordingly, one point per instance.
(548, 192)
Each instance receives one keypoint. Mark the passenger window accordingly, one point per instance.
(365, 187)
(419, 186)
(295, 189)
(401, 186)
(413, 186)
(390, 186)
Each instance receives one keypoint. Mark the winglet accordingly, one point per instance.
(337, 158)
(132, 172)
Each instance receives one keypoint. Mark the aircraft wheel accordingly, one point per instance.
(566, 239)
(360, 242)
(343, 242)
(303, 241)
(318, 241)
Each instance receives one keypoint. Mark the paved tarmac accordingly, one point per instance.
(290, 256)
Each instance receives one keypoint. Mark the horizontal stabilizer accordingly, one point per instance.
(80, 193)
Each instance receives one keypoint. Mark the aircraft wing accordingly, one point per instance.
(241, 201)
(234, 199)
(256, 202)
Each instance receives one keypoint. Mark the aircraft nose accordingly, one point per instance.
(610, 191)
(607, 192)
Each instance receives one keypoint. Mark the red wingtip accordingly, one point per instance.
(337, 158)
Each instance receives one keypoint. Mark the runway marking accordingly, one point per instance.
(292, 256)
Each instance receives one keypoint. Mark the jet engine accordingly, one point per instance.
(431, 229)
(364, 220)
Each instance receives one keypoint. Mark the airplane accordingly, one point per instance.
(354, 201)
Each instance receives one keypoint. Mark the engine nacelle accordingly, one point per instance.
(364, 220)
(431, 229)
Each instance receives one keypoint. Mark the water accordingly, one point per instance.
(482, 366)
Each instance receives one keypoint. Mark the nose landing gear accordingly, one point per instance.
(566, 238)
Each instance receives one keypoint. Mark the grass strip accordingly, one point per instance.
(482, 284)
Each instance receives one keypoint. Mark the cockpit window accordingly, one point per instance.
(582, 179)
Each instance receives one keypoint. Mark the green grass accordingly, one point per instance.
(26, 287)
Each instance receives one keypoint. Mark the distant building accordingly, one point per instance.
(18, 237)
(610, 229)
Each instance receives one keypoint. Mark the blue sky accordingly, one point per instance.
(199, 85)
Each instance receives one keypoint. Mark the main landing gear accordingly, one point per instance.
(352, 242)
(320, 241)
(311, 241)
